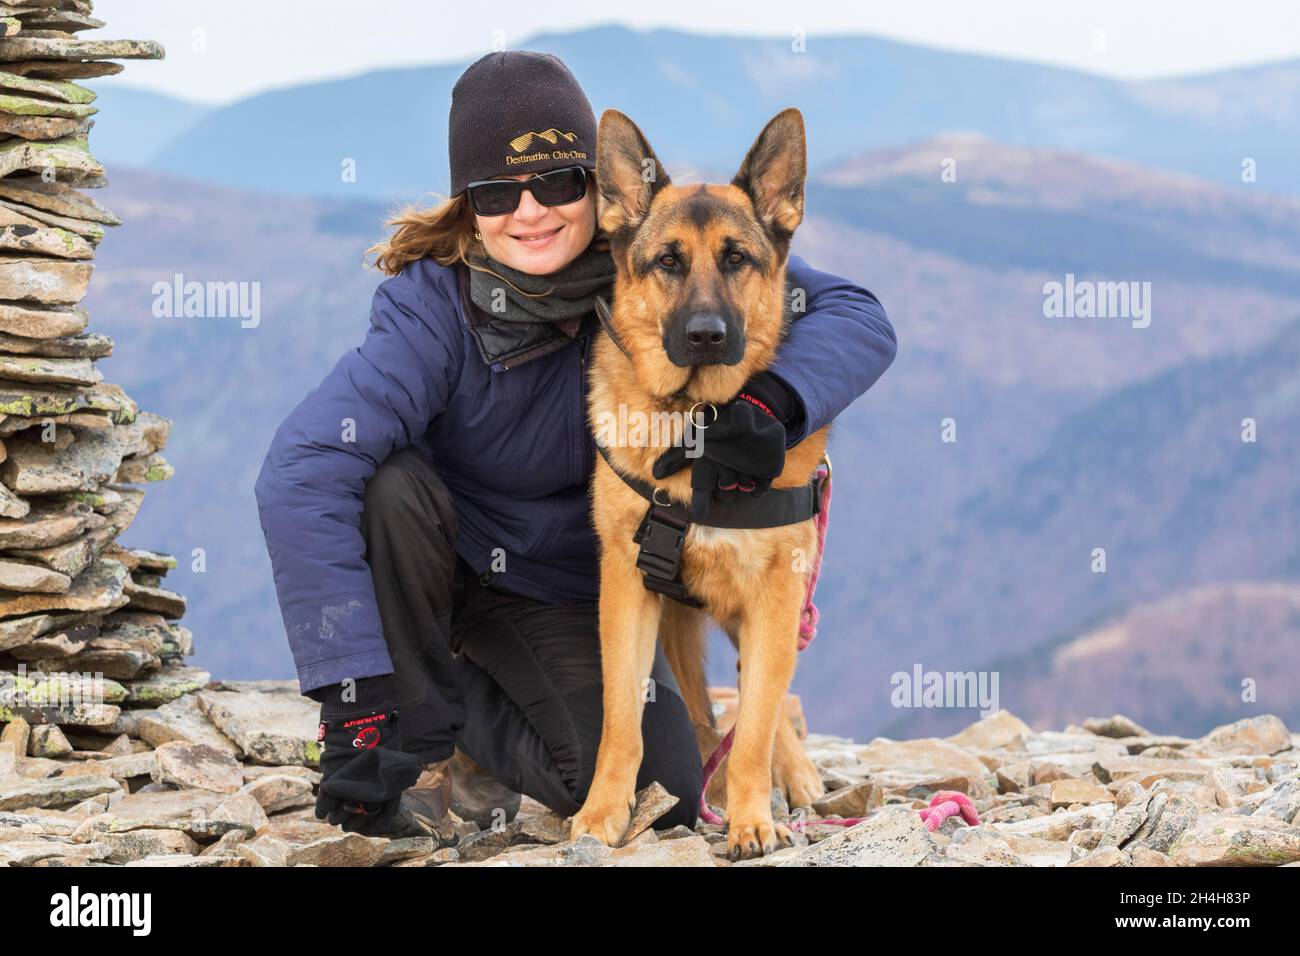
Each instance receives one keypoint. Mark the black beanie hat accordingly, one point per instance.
(514, 112)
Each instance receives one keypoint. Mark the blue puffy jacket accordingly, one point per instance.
(512, 445)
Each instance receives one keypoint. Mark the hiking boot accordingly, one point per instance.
(422, 809)
(476, 795)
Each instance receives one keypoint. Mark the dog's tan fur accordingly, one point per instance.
(752, 581)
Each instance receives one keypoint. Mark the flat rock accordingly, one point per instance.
(48, 741)
(171, 860)
(38, 467)
(47, 281)
(1061, 824)
(166, 805)
(183, 720)
(130, 845)
(120, 768)
(48, 523)
(40, 849)
(692, 851)
(278, 792)
(88, 346)
(49, 89)
(39, 322)
(929, 762)
(30, 400)
(1256, 735)
(1234, 840)
(65, 698)
(147, 468)
(23, 48)
(197, 766)
(271, 727)
(1116, 725)
(62, 69)
(1068, 792)
(854, 801)
(38, 240)
(55, 197)
(20, 793)
(338, 849)
(239, 811)
(51, 371)
(72, 557)
(98, 588)
(993, 732)
(160, 600)
(982, 845)
(651, 804)
(20, 576)
(169, 683)
(895, 836)
(1106, 856)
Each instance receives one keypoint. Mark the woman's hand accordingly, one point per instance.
(742, 450)
(364, 770)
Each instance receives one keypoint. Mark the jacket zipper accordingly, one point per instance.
(583, 344)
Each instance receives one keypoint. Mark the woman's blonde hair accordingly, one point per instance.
(444, 233)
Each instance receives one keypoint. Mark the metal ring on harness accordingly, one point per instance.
(691, 414)
(662, 504)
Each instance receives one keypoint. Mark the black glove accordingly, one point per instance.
(363, 767)
(742, 450)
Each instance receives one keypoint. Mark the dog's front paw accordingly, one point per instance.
(797, 776)
(606, 822)
(747, 839)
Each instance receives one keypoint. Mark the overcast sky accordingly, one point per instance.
(222, 50)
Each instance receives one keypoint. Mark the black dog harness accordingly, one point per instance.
(662, 533)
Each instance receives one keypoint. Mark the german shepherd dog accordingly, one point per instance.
(681, 251)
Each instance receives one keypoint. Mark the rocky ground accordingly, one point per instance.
(222, 774)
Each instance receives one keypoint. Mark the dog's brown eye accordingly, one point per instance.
(668, 261)
(736, 258)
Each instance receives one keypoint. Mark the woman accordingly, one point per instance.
(426, 506)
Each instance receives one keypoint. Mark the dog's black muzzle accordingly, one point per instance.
(705, 338)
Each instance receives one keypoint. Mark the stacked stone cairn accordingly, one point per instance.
(113, 752)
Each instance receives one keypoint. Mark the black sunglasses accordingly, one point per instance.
(559, 187)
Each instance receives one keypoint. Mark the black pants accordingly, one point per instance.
(514, 682)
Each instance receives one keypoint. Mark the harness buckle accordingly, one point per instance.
(662, 536)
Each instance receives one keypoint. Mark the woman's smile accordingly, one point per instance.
(537, 239)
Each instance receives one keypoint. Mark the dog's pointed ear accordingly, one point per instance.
(628, 173)
(774, 170)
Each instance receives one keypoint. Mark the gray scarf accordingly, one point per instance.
(569, 293)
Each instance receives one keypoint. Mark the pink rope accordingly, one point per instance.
(810, 616)
(944, 804)
(949, 803)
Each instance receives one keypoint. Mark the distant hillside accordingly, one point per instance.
(1155, 473)
(133, 124)
(702, 99)
(1178, 662)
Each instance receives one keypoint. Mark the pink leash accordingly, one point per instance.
(944, 804)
